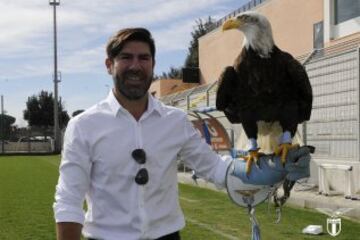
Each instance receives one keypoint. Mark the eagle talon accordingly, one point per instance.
(259, 155)
(253, 156)
(283, 149)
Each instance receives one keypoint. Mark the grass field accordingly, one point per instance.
(27, 185)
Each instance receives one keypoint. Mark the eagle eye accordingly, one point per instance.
(254, 20)
(242, 17)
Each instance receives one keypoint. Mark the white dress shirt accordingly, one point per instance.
(97, 166)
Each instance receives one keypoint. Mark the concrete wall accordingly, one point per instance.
(13, 147)
(292, 23)
(164, 87)
(353, 39)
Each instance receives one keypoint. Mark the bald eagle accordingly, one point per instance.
(265, 85)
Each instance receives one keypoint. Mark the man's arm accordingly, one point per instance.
(68, 231)
(199, 156)
(73, 183)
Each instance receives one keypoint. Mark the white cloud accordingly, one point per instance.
(28, 28)
(175, 36)
(83, 28)
(19, 25)
(26, 45)
(163, 13)
(26, 42)
(83, 61)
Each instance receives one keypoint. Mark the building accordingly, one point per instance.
(325, 36)
(169, 86)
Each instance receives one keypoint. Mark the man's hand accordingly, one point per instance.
(270, 170)
(68, 231)
(298, 163)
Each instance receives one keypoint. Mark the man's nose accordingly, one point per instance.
(135, 63)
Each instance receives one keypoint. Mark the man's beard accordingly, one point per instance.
(129, 91)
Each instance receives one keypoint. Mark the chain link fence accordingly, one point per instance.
(334, 125)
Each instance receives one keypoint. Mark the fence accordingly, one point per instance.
(28, 140)
(334, 124)
(246, 7)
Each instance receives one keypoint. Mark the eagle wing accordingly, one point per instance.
(225, 100)
(302, 84)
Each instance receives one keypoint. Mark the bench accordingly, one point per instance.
(348, 176)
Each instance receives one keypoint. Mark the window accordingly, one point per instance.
(346, 10)
(341, 18)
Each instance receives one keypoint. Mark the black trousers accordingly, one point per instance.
(171, 236)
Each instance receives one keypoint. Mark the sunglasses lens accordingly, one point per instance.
(139, 156)
(142, 177)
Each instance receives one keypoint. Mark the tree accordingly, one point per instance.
(5, 125)
(40, 111)
(173, 73)
(192, 59)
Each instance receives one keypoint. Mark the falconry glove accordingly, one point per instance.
(270, 170)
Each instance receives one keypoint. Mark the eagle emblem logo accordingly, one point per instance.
(333, 223)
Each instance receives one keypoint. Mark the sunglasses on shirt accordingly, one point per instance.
(142, 177)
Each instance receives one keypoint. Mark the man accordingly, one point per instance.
(120, 155)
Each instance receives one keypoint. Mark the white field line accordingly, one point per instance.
(51, 163)
(188, 200)
(208, 227)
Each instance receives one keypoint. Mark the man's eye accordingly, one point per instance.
(124, 57)
(145, 58)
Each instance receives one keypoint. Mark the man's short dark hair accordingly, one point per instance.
(118, 40)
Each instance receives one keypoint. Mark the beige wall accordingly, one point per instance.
(164, 87)
(292, 23)
(353, 39)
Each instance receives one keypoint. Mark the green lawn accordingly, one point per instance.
(27, 185)
(221, 216)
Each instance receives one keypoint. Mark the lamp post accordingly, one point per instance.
(57, 147)
(2, 124)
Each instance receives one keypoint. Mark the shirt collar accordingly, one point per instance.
(115, 106)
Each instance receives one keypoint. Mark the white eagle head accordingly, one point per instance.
(257, 31)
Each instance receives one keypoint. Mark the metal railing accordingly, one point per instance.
(246, 7)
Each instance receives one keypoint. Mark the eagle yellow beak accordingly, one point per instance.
(231, 24)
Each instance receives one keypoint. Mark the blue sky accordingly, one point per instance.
(26, 43)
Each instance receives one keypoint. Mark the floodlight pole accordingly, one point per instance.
(2, 125)
(57, 147)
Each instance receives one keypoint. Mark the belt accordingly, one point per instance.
(171, 236)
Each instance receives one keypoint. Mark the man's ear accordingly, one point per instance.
(108, 64)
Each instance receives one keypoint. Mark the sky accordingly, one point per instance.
(83, 28)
